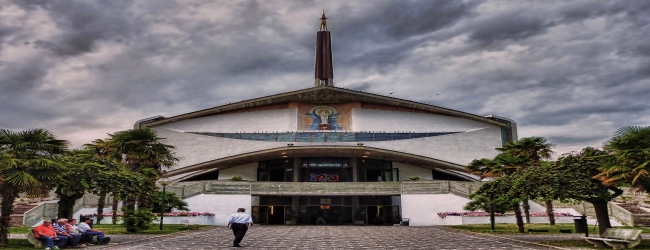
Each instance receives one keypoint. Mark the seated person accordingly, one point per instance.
(85, 239)
(73, 232)
(60, 233)
(84, 228)
(45, 232)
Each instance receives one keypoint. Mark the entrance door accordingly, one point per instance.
(276, 215)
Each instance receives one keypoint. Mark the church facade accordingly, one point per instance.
(328, 155)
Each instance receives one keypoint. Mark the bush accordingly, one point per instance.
(237, 178)
(414, 178)
(137, 220)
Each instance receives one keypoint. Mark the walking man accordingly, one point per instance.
(239, 224)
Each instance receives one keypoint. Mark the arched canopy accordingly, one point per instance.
(291, 151)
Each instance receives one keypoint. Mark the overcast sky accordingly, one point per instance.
(571, 71)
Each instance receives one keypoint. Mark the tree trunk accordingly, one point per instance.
(8, 198)
(114, 207)
(602, 215)
(549, 212)
(100, 207)
(66, 204)
(129, 208)
(520, 220)
(526, 207)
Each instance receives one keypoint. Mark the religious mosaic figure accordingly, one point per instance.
(324, 118)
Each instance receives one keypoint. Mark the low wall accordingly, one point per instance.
(470, 220)
(200, 220)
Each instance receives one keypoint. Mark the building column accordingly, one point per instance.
(297, 162)
(296, 169)
(353, 165)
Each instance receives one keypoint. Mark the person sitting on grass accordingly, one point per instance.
(84, 228)
(45, 232)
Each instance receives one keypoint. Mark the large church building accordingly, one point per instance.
(328, 155)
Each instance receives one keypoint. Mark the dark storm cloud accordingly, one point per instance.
(366, 34)
(101, 65)
(509, 28)
(85, 23)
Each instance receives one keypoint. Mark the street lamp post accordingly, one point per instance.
(164, 184)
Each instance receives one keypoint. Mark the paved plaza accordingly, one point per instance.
(325, 237)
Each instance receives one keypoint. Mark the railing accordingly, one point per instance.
(189, 189)
(621, 214)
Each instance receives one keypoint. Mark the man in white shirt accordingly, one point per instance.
(84, 228)
(239, 224)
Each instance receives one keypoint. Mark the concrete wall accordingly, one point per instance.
(406, 171)
(469, 220)
(260, 121)
(248, 171)
(459, 148)
(389, 121)
(222, 205)
(423, 209)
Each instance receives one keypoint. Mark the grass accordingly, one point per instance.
(512, 228)
(583, 244)
(18, 244)
(119, 229)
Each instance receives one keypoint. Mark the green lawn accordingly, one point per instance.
(119, 229)
(512, 228)
(584, 244)
(18, 244)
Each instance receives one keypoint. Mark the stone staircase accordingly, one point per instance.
(641, 216)
(19, 213)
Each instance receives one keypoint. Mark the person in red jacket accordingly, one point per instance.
(45, 232)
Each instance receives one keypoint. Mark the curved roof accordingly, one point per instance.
(324, 95)
(359, 151)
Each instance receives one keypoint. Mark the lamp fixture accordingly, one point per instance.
(359, 144)
(289, 144)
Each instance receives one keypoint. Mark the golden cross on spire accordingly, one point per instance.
(323, 22)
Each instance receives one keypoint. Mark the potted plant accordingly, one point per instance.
(414, 178)
(237, 178)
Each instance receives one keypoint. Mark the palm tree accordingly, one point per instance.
(143, 152)
(30, 165)
(630, 159)
(533, 150)
(142, 148)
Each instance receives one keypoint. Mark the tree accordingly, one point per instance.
(532, 151)
(171, 202)
(30, 164)
(571, 177)
(144, 153)
(480, 202)
(629, 161)
(503, 164)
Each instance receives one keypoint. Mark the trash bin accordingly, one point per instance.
(580, 223)
(405, 222)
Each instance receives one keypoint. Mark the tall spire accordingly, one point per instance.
(324, 71)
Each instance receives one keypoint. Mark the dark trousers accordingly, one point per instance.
(239, 230)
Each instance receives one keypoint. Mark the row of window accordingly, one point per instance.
(324, 136)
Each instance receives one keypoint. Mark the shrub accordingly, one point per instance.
(414, 178)
(137, 220)
(237, 178)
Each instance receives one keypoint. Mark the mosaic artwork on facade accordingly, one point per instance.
(324, 117)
